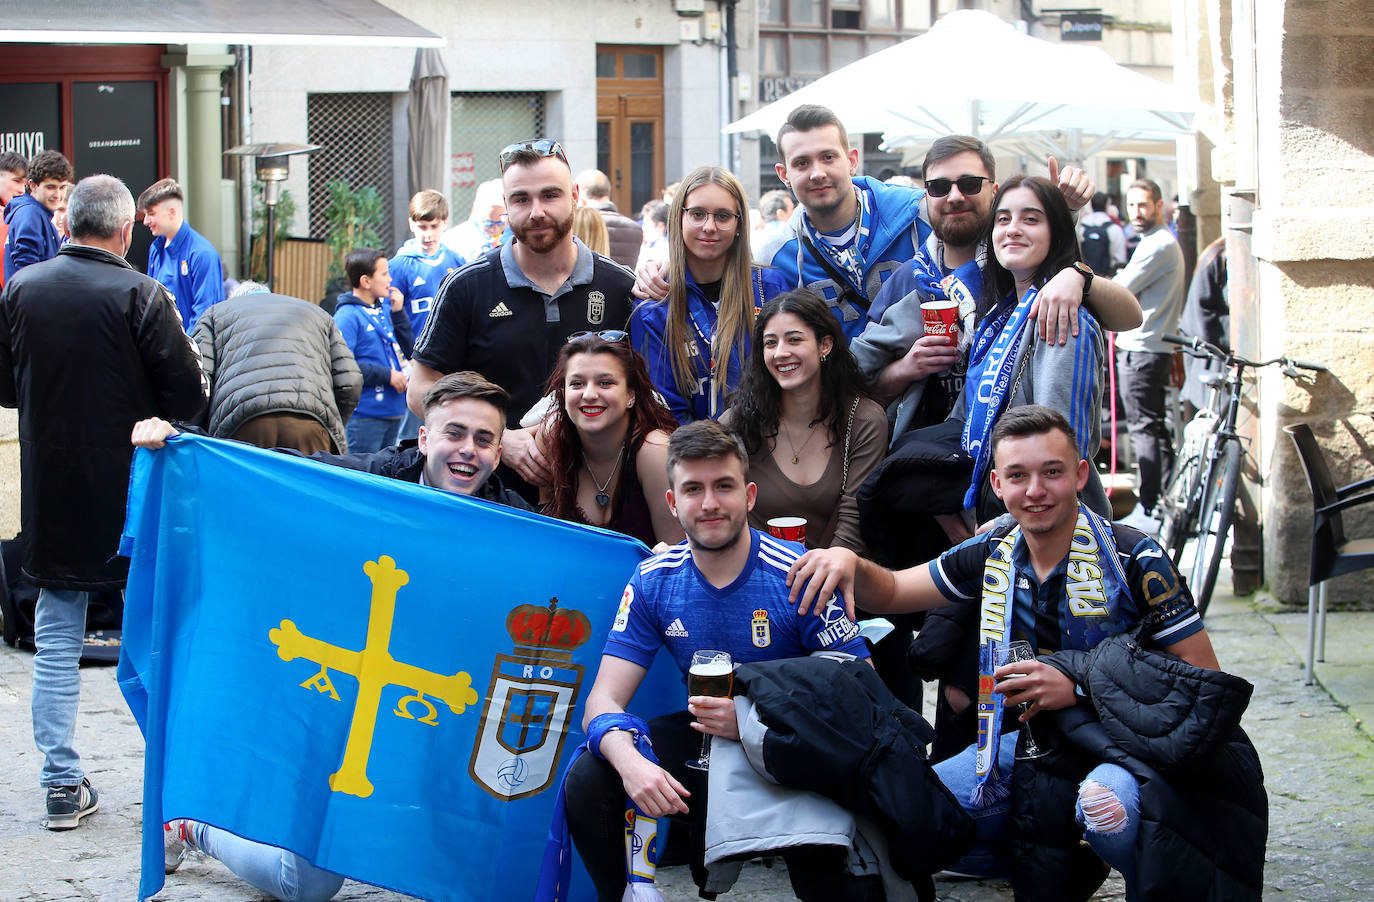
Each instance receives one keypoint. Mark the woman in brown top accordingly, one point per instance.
(803, 411)
(606, 440)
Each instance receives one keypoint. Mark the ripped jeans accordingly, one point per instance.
(1110, 829)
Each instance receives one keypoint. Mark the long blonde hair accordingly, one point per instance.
(590, 226)
(736, 309)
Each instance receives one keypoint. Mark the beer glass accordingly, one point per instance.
(1010, 653)
(712, 673)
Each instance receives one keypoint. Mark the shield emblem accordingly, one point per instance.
(596, 307)
(524, 725)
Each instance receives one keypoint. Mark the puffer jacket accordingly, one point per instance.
(1204, 814)
(269, 353)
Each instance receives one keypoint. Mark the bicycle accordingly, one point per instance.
(1200, 500)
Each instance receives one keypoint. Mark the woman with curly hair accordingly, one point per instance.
(695, 341)
(606, 441)
(811, 430)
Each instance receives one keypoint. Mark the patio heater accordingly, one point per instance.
(271, 164)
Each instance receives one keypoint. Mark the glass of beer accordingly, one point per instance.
(712, 673)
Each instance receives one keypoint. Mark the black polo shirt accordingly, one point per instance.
(489, 317)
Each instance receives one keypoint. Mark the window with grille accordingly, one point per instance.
(482, 124)
(355, 132)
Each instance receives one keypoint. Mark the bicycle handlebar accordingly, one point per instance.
(1196, 347)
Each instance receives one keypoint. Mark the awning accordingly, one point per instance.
(354, 23)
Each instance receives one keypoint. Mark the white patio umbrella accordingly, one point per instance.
(973, 73)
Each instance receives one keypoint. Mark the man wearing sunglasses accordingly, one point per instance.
(920, 376)
(508, 312)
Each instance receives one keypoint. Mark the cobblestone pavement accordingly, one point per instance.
(1317, 753)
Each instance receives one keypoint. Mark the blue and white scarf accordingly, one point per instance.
(1098, 579)
(993, 364)
(963, 286)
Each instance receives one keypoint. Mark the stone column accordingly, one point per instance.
(203, 136)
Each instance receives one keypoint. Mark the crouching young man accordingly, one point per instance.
(1065, 580)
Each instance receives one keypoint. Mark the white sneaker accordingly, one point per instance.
(1138, 519)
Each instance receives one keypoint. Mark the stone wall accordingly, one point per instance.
(1301, 116)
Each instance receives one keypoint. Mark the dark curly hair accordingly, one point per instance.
(757, 403)
(564, 449)
(998, 283)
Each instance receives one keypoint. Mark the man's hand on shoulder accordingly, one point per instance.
(521, 453)
(1055, 308)
(818, 574)
(651, 283)
(152, 433)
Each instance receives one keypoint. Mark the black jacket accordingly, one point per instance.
(1203, 822)
(88, 347)
(269, 353)
(835, 729)
(405, 462)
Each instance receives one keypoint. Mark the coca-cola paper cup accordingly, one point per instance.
(940, 318)
(793, 529)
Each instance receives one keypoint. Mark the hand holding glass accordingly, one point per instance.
(712, 673)
(1010, 653)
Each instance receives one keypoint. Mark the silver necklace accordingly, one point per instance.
(602, 497)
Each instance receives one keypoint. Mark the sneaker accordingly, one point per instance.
(1138, 519)
(67, 805)
(176, 843)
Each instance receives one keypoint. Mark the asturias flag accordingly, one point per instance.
(381, 677)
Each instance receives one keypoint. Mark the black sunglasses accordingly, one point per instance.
(968, 185)
(544, 147)
(608, 335)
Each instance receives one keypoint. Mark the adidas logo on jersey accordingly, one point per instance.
(676, 630)
(500, 310)
(419, 280)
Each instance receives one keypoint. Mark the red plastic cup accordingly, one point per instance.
(940, 318)
(793, 529)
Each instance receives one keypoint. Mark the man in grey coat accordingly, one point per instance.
(281, 374)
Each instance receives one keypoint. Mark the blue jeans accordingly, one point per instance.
(368, 434)
(277, 872)
(59, 630)
(1111, 837)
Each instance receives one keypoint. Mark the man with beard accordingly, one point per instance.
(711, 591)
(1155, 273)
(507, 313)
(893, 349)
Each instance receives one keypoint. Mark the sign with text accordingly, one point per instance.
(30, 118)
(1080, 27)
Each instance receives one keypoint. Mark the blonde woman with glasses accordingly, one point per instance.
(696, 340)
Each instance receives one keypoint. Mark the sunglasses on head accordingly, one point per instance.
(968, 184)
(544, 147)
(608, 335)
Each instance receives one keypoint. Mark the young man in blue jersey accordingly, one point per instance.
(370, 318)
(1063, 579)
(32, 237)
(182, 259)
(418, 269)
(707, 592)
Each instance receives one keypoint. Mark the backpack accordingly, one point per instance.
(1097, 248)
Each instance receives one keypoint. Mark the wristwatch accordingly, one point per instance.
(1086, 272)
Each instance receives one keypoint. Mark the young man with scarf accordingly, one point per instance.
(1060, 577)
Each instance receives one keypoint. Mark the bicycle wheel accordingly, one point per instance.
(1214, 521)
(1179, 505)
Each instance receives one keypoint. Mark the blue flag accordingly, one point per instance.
(383, 678)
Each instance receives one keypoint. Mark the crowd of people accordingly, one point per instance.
(727, 403)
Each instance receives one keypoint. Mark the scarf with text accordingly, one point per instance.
(993, 363)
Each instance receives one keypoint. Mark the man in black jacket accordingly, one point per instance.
(458, 449)
(88, 347)
(1062, 579)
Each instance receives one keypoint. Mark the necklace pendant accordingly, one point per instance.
(794, 458)
(603, 499)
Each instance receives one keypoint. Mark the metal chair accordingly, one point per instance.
(1332, 553)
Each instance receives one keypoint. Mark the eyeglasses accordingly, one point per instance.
(968, 185)
(698, 216)
(608, 335)
(544, 147)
